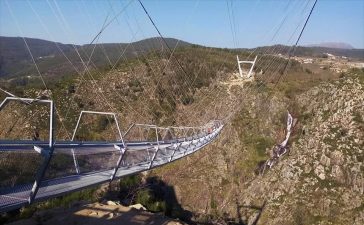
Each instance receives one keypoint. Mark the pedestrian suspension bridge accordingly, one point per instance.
(36, 170)
(95, 162)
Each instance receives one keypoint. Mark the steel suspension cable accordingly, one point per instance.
(282, 21)
(86, 70)
(298, 39)
(160, 34)
(290, 52)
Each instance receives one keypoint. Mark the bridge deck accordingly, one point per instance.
(17, 196)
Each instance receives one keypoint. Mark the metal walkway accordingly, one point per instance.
(62, 167)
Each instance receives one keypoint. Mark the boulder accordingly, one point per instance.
(337, 174)
(320, 172)
(324, 160)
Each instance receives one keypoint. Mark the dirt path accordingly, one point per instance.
(234, 80)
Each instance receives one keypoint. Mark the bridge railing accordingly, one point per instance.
(46, 152)
(59, 167)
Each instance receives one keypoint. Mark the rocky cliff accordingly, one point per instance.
(320, 181)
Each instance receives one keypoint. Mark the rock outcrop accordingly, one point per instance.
(321, 181)
(96, 214)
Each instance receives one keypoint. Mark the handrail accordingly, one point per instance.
(46, 153)
(164, 150)
(173, 150)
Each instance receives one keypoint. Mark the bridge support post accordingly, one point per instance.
(249, 74)
(175, 147)
(46, 153)
(153, 158)
(195, 138)
(47, 158)
(75, 162)
(122, 150)
(156, 149)
(200, 135)
(190, 144)
(121, 157)
(119, 133)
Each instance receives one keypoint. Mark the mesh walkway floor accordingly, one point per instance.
(17, 196)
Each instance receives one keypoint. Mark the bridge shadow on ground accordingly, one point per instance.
(160, 191)
(256, 211)
(157, 196)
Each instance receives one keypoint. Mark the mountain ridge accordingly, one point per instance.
(15, 61)
(319, 182)
(340, 45)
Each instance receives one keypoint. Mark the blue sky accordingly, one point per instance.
(219, 23)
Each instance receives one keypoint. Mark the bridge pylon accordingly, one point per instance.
(246, 74)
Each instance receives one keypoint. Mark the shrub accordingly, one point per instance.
(103, 122)
(134, 83)
(130, 181)
(308, 71)
(71, 89)
(187, 99)
(358, 117)
(148, 199)
(261, 144)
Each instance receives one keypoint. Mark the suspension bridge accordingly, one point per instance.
(114, 159)
(57, 167)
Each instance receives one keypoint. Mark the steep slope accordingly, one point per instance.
(218, 185)
(15, 60)
(320, 181)
(14, 53)
(315, 51)
(340, 45)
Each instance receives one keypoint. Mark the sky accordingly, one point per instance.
(217, 23)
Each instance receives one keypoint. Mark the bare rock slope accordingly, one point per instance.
(321, 181)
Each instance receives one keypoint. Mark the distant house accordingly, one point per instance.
(357, 65)
(330, 56)
(308, 60)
